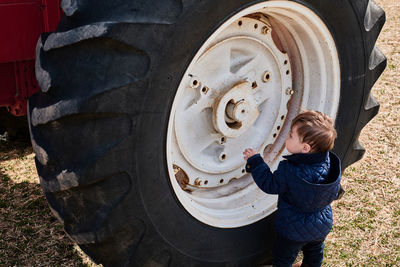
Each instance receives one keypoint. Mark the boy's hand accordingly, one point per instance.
(248, 152)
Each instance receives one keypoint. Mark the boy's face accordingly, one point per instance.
(293, 142)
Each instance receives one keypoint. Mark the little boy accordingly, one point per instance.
(306, 183)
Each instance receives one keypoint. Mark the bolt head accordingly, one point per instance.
(264, 30)
(289, 91)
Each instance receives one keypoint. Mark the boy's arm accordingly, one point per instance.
(266, 180)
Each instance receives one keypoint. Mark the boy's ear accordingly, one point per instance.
(306, 148)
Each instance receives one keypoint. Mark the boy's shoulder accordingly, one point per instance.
(314, 167)
(308, 158)
(305, 159)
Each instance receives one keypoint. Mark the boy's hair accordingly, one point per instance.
(315, 129)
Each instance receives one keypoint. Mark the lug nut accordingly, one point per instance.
(197, 182)
(289, 91)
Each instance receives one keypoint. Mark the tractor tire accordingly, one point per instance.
(110, 78)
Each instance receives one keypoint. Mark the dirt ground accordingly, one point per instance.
(367, 218)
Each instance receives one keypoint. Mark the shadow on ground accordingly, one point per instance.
(30, 235)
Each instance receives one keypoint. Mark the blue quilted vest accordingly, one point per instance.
(306, 185)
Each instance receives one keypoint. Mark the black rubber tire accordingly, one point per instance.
(98, 127)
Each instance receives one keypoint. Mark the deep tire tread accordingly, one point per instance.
(81, 176)
(373, 21)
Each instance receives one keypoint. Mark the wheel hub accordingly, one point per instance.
(236, 111)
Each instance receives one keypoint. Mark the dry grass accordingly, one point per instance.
(367, 218)
(30, 234)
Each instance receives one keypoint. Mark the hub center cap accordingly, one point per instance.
(235, 111)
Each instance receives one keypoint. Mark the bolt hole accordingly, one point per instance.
(274, 135)
(254, 84)
(287, 72)
(195, 82)
(205, 182)
(243, 170)
(278, 128)
(240, 23)
(221, 181)
(285, 62)
(266, 76)
(204, 89)
(223, 140)
(243, 111)
(282, 117)
(255, 26)
(223, 156)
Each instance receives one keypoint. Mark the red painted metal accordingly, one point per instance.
(21, 23)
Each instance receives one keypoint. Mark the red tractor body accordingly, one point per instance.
(21, 23)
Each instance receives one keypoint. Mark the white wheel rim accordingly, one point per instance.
(239, 91)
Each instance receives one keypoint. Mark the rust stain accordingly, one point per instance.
(181, 177)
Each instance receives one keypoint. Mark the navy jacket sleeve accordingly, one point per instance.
(271, 183)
